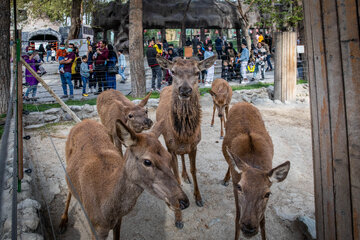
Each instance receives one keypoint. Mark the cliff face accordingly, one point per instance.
(201, 13)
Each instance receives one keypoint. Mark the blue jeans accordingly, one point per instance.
(121, 72)
(84, 80)
(156, 73)
(32, 88)
(48, 54)
(260, 68)
(66, 79)
(268, 62)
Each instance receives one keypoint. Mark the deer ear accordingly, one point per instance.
(212, 93)
(126, 135)
(279, 173)
(157, 128)
(145, 100)
(164, 63)
(205, 64)
(237, 164)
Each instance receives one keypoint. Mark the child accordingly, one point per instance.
(53, 55)
(85, 74)
(30, 79)
(210, 71)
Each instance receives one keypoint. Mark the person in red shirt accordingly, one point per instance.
(100, 57)
(66, 79)
(61, 52)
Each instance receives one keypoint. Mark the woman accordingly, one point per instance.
(111, 68)
(41, 51)
(29, 78)
(92, 81)
(210, 71)
(76, 71)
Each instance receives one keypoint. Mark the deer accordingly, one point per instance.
(107, 184)
(112, 105)
(221, 94)
(248, 150)
(180, 109)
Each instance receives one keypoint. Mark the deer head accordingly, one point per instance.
(220, 101)
(148, 165)
(253, 189)
(137, 116)
(185, 74)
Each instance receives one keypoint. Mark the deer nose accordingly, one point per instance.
(148, 121)
(220, 115)
(248, 229)
(185, 91)
(184, 203)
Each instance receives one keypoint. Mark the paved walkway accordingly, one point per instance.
(52, 78)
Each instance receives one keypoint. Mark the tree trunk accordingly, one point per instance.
(245, 30)
(238, 39)
(163, 34)
(202, 34)
(136, 49)
(4, 55)
(75, 19)
(183, 35)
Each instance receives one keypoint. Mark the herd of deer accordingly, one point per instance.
(109, 183)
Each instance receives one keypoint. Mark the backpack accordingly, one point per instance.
(75, 67)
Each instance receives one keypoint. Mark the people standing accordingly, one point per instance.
(53, 55)
(41, 51)
(66, 80)
(90, 61)
(48, 51)
(200, 54)
(210, 71)
(122, 65)
(153, 64)
(100, 57)
(75, 69)
(244, 59)
(111, 68)
(29, 78)
(85, 74)
(218, 46)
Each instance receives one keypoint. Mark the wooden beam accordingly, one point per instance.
(63, 105)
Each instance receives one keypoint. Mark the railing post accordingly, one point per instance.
(19, 111)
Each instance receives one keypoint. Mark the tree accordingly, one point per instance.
(4, 55)
(75, 19)
(136, 49)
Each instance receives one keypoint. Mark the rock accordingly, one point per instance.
(287, 102)
(136, 101)
(51, 118)
(76, 108)
(207, 95)
(34, 126)
(308, 226)
(286, 212)
(30, 219)
(31, 236)
(33, 117)
(153, 102)
(53, 111)
(258, 101)
(246, 99)
(28, 203)
(88, 108)
(277, 102)
(67, 117)
(214, 221)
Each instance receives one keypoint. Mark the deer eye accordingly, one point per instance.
(239, 188)
(147, 163)
(173, 72)
(130, 115)
(267, 195)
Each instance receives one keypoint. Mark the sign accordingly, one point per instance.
(300, 49)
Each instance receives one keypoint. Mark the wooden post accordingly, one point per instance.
(285, 66)
(202, 34)
(238, 39)
(333, 56)
(63, 105)
(20, 112)
(163, 34)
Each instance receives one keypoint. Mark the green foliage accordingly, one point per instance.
(301, 81)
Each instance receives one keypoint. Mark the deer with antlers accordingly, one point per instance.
(109, 185)
(221, 94)
(180, 109)
(113, 105)
(248, 149)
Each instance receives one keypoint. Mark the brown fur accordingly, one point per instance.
(180, 109)
(248, 149)
(113, 105)
(221, 93)
(107, 184)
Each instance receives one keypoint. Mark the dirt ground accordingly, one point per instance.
(290, 129)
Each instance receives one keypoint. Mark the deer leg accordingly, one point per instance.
(101, 233)
(64, 217)
(237, 218)
(222, 131)
(116, 230)
(262, 228)
(184, 174)
(197, 194)
(212, 120)
(175, 167)
(178, 219)
(225, 182)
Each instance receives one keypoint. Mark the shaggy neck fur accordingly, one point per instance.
(186, 115)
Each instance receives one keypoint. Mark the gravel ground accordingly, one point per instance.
(290, 129)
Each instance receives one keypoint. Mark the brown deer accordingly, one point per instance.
(248, 150)
(180, 109)
(221, 93)
(113, 105)
(109, 185)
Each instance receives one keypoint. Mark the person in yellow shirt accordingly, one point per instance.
(261, 38)
(158, 46)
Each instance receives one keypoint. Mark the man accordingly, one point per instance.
(100, 57)
(218, 46)
(200, 54)
(122, 65)
(195, 42)
(153, 64)
(48, 51)
(66, 78)
(244, 59)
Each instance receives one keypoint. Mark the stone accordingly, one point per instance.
(31, 236)
(286, 212)
(76, 108)
(34, 126)
(207, 95)
(29, 203)
(136, 101)
(277, 102)
(53, 111)
(246, 99)
(287, 102)
(30, 220)
(308, 226)
(33, 117)
(51, 118)
(88, 108)
(67, 117)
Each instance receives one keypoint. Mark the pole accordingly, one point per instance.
(19, 111)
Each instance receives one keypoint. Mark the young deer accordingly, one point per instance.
(113, 105)
(180, 109)
(109, 185)
(248, 150)
(221, 93)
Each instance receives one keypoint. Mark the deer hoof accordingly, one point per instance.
(179, 224)
(224, 183)
(200, 203)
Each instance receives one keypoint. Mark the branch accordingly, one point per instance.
(248, 10)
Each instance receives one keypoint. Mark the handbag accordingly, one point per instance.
(113, 69)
